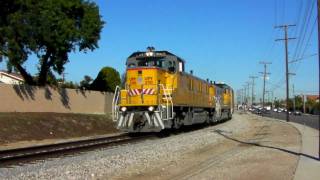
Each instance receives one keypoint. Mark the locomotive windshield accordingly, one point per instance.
(150, 62)
(154, 62)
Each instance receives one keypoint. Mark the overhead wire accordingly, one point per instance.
(303, 32)
(305, 44)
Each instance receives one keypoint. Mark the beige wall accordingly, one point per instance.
(23, 98)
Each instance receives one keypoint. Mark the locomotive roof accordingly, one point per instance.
(222, 85)
(156, 54)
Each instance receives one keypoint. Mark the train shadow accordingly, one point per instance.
(185, 129)
(257, 144)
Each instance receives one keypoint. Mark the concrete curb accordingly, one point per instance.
(309, 164)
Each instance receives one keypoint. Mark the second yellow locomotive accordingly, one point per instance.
(158, 94)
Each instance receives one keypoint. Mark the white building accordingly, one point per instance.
(10, 78)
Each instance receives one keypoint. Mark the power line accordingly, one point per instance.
(299, 52)
(305, 48)
(303, 31)
(302, 58)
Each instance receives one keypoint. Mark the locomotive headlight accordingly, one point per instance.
(149, 53)
(151, 108)
(123, 109)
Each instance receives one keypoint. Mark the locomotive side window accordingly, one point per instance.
(170, 65)
(181, 68)
(131, 65)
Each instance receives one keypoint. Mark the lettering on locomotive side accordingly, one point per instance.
(133, 81)
(148, 80)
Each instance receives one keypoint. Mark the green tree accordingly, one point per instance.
(85, 83)
(107, 80)
(298, 103)
(277, 103)
(49, 29)
(69, 84)
(312, 106)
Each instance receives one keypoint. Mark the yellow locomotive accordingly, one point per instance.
(158, 94)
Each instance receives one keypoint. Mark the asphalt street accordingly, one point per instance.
(305, 119)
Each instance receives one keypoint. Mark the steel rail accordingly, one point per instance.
(14, 154)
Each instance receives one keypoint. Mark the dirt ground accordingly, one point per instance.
(20, 127)
(267, 150)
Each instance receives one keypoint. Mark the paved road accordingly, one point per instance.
(308, 120)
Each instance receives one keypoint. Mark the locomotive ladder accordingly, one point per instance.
(169, 104)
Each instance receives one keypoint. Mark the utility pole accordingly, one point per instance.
(248, 95)
(318, 9)
(265, 73)
(64, 77)
(245, 96)
(304, 103)
(252, 91)
(272, 100)
(294, 99)
(285, 28)
(241, 96)
(268, 96)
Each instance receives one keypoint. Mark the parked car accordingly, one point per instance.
(275, 110)
(257, 111)
(268, 108)
(297, 113)
(265, 111)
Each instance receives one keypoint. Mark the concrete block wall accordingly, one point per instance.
(24, 98)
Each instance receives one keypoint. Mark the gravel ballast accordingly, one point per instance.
(125, 160)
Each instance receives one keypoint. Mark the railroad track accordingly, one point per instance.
(27, 152)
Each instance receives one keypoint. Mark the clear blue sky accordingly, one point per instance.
(223, 40)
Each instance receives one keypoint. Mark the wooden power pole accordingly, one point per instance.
(318, 9)
(285, 28)
(265, 73)
(252, 91)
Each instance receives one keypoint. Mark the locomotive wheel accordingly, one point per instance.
(229, 115)
(177, 122)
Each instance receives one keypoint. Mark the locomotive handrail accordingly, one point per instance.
(115, 103)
